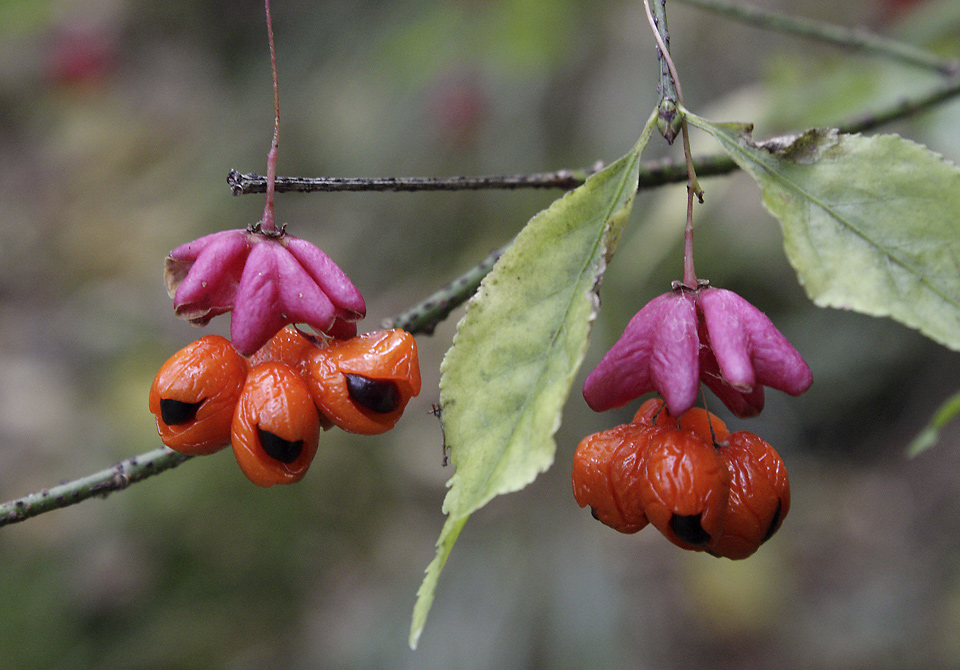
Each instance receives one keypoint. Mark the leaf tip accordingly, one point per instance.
(925, 440)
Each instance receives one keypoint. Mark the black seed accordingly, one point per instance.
(689, 530)
(278, 448)
(176, 412)
(377, 396)
(774, 522)
(593, 513)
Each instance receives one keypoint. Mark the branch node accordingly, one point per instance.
(235, 181)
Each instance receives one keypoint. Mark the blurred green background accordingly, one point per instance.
(119, 121)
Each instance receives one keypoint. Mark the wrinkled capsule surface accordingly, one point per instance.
(759, 495)
(594, 461)
(276, 428)
(684, 488)
(194, 394)
(363, 384)
(702, 487)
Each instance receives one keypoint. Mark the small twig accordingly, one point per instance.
(99, 484)
(671, 96)
(268, 222)
(244, 184)
(658, 24)
(670, 88)
(904, 108)
(427, 314)
(657, 19)
(851, 38)
(652, 174)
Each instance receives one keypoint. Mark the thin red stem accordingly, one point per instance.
(268, 222)
(689, 275)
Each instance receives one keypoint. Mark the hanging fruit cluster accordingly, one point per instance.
(270, 389)
(677, 466)
(704, 488)
(271, 405)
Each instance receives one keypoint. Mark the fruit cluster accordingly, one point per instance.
(267, 279)
(271, 405)
(704, 488)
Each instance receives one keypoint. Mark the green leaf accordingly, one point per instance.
(928, 437)
(870, 224)
(518, 347)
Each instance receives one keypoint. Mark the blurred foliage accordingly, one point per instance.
(118, 123)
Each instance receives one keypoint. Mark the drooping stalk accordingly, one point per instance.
(689, 275)
(658, 25)
(268, 222)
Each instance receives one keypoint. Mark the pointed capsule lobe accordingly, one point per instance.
(362, 385)
(194, 394)
(275, 429)
(749, 350)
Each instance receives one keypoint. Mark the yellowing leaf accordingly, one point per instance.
(870, 224)
(518, 347)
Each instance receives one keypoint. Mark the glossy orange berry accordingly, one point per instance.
(759, 495)
(593, 463)
(684, 485)
(194, 394)
(363, 384)
(276, 428)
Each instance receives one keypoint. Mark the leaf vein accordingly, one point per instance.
(608, 214)
(830, 210)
